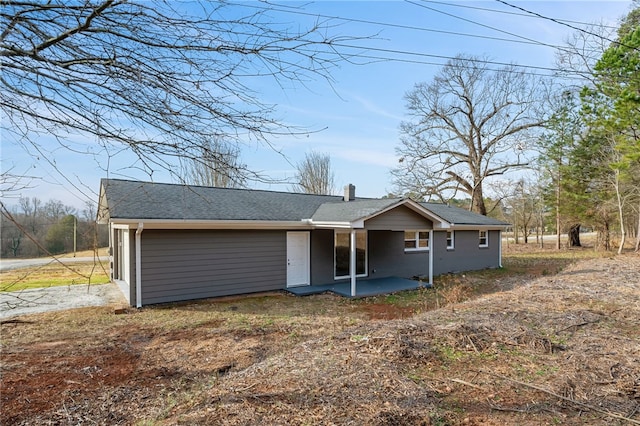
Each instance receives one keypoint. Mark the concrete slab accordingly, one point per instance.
(364, 288)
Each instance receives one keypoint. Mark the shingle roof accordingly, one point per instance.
(126, 199)
(352, 210)
(145, 200)
(458, 216)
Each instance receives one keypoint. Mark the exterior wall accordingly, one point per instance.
(466, 255)
(399, 219)
(184, 265)
(322, 256)
(387, 257)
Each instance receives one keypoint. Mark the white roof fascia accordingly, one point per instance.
(332, 225)
(358, 224)
(212, 224)
(442, 225)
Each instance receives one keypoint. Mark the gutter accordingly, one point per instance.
(472, 227)
(212, 224)
(335, 225)
(139, 265)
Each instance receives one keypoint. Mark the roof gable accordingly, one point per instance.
(353, 210)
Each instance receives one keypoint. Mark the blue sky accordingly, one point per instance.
(361, 112)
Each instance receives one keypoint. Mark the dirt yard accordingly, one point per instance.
(548, 340)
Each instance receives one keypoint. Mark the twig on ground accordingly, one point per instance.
(472, 344)
(462, 382)
(564, 398)
(578, 325)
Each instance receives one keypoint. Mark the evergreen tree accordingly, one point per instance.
(612, 112)
(60, 235)
(563, 132)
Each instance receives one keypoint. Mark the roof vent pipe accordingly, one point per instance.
(349, 193)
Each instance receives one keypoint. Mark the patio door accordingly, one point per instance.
(298, 271)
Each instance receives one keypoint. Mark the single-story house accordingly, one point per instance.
(172, 242)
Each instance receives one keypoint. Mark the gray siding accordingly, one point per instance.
(466, 255)
(399, 219)
(387, 257)
(322, 252)
(184, 265)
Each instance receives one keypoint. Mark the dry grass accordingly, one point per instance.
(54, 274)
(103, 251)
(529, 346)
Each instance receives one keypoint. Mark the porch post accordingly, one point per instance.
(139, 265)
(352, 261)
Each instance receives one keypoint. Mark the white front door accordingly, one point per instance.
(298, 270)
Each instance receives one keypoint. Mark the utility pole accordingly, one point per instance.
(75, 234)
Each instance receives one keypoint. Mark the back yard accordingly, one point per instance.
(553, 338)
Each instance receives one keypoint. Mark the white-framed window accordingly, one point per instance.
(484, 239)
(342, 254)
(451, 240)
(416, 240)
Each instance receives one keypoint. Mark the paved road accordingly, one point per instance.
(8, 264)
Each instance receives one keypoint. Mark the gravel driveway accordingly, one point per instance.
(59, 298)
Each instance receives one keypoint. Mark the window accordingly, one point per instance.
(484, 239)
(416, 240)
(450, 240)
(342, 253)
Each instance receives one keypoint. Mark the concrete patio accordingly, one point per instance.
(364, 288)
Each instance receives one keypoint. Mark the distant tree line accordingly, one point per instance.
(35, 228)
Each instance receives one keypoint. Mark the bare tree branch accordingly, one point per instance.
(469, 124)
(157, 77)
(314, 175)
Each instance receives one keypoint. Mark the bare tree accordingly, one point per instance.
(523, 209)
(582, 51)
(156, 77)
(11, 237)
(219, 165)
(54, 210)
(469, 124)
(314, 174)
(31, 209)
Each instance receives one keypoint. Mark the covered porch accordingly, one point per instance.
(363, 248)
(364, 287)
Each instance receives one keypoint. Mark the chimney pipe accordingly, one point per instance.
(349, 193)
